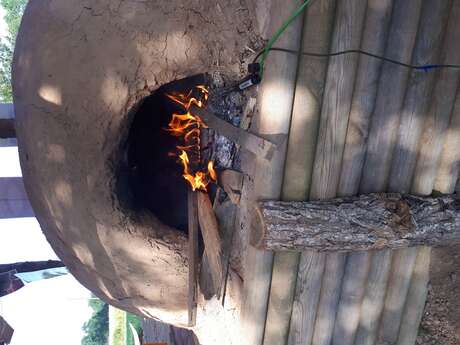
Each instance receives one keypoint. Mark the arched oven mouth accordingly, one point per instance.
(150, 175)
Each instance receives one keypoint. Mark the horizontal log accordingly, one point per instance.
(374, 221)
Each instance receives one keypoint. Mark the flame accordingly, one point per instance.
(187, 127)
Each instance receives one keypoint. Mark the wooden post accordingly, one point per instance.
(416, 298)
(192, 256)
(367, 222)
(380, 146)
(440, 113)
(432, 27)
(374, 38)
(433, 21)
(375, 34)
(338, 94)
(318, 23)
(390, 97)
(275, 100)
(311, 269)
(449, 168)
(374, 297)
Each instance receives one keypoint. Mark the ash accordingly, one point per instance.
(228, 106)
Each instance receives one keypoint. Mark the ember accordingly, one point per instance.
(187, 128)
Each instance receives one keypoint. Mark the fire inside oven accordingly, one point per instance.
(164, 151)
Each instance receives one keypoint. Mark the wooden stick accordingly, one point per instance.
(248, 141)
(367, 222)
(193, 257)
(303, 133)
(210, 231)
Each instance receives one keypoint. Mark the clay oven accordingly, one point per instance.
(82, 70)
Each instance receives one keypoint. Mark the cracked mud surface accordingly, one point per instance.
(79, 68)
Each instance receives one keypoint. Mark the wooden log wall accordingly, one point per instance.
(381, 127)
(303, 133)
(275, 100)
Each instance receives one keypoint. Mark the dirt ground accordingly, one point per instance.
(441, 319)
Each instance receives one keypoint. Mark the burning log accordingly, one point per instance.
(248, 141)
(374, 221)
(212, 242)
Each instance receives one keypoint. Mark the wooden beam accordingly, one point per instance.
(192, 256)
(256, 144)
(212, 243)
(368, 222)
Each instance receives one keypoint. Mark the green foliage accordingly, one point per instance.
(97, 327)
(14, 11)
(119, 322)
(137, 323)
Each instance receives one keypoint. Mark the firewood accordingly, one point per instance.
(374, 221)
(232, 183)
(212, 242)
(256, 144)
(192, 256)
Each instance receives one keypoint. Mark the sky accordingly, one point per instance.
(50, 312)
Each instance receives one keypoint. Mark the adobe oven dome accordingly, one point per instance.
(79, 68)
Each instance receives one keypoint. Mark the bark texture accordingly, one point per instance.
(374, 221)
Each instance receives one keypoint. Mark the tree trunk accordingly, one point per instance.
(30, 266)
(374, 221)
(7, 129)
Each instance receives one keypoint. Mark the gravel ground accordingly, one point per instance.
(441, 320)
